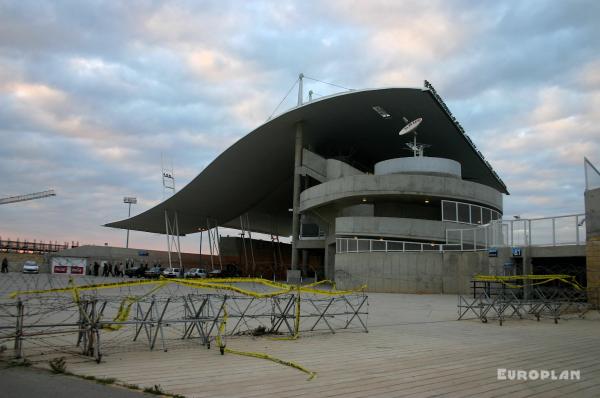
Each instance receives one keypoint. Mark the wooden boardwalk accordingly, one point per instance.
(415, 347)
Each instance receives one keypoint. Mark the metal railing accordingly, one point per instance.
(354, 245)
(545, 231)
(8, 245)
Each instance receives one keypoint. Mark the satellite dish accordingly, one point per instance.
(410, 126)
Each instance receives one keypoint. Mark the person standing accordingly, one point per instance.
(4, 266)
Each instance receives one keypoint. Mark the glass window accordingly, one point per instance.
(352, 245)
(363, 245)
(412, 246)
(486, 216)
(378, 245)
(463, 213)
(449, 209)
(475, 215)
(395, 246)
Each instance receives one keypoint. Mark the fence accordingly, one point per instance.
(165, 314)
(544, 231)
(547, 231)
(34, 246)
(500, 300)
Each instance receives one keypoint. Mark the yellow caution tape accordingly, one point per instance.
(223, 348)
(311, 375)
(217, 283)
(324, 281)
(70, 286)
(296, 334)
(209, 285)
(542, 279)
(125, 308)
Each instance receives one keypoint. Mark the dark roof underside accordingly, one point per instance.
(255, 174)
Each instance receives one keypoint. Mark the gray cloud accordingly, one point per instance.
(91, 93)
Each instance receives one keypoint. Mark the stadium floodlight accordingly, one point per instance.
(130, 200)
(382, 112)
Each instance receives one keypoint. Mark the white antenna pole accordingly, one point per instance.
(300, 89)
(415, 147)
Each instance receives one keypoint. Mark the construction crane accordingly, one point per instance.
(29, 196)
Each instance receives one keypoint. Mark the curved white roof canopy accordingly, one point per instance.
(255, 174)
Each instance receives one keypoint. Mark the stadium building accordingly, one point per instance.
(416, 212)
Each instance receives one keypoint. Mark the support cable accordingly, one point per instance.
(284, 98)
(331, 84)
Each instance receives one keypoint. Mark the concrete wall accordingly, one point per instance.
(391, 227)
(592, 220)
(359, 186)
(448, 272)
(592, 213)
(325, 169)
(419, 165)
(121, 254)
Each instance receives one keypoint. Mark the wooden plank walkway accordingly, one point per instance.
(415, 347)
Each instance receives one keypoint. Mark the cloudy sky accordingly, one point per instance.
(92, 92)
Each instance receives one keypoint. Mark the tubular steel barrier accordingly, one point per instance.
(523, 297)
(168, 313)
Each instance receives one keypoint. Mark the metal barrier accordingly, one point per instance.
(98, 324)
(495, 301)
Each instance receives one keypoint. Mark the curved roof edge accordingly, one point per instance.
(254, 174)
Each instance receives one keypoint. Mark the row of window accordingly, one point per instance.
(468, 213)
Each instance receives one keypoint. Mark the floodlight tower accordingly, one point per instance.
(130, 200)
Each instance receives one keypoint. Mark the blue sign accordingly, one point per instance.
(516, 252)
(143, 253)
(492, 252)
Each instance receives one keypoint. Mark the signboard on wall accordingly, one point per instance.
(516, 252)
(68, 265)
(492, 252)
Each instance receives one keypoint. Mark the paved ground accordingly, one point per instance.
(415, 347)
(23, 382)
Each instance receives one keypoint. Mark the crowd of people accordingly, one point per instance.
(116, 269)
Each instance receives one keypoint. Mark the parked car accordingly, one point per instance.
(31, 267)
(135, 272)
(196, 273)
(154, 272)
(230, 271)
(216, 273)
(171, 273)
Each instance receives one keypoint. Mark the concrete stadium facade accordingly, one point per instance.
(335, 176)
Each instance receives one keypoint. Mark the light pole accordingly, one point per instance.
(129, 200)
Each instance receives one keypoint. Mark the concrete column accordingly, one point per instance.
(527, 270)
(305, 262)
(296, 203)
